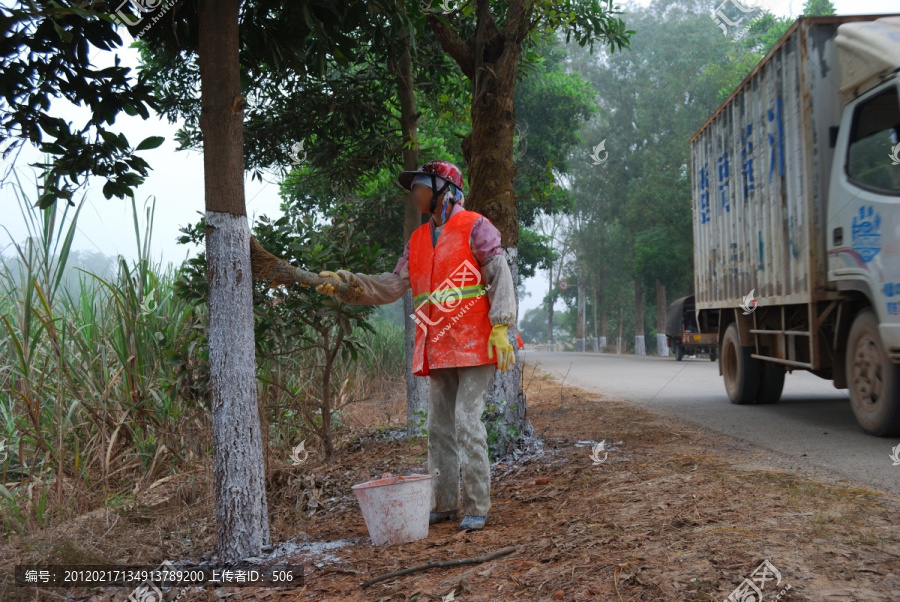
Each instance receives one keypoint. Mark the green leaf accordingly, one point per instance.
(151, 142)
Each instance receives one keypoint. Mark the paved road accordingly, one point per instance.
(811, 430)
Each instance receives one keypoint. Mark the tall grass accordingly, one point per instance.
(104, 385)
(89, 392)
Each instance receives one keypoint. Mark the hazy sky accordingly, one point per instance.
(177, 177)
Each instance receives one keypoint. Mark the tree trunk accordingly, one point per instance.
(604, 317)
(550, 301)
(416, 386)
(242, 517)
(619, 338)
(507, 387)
(579, 326)
(488, 150)
(490, 60)
(325, 408)
(662, 345)
(640, 347)
(594, 316)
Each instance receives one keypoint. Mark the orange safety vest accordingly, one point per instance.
(449, 297)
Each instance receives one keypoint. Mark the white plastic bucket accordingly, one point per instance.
(395, 508)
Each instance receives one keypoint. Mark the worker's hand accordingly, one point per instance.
(327, 288)
(506, 357)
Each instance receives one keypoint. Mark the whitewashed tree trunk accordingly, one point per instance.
(508, 385)
(242, 516)
(662, 344)
(640, 348)
(619, 337)
(579, 328)
(416, 386)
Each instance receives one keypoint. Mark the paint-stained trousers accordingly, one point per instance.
(457, 438)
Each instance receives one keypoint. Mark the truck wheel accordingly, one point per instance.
(740, 371)
(713, 355)
(772, 382)
(679, 353)
(873, 380)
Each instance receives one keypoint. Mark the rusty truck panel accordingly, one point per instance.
(760, 170)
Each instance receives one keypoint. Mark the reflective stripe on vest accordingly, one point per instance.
(444, 294)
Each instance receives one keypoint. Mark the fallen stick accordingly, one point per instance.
(275, 271)
(431, 565)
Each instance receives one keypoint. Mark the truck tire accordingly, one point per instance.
(873, 380)
(713, 354)
(772, 382)
(740, 371)
(679, 353)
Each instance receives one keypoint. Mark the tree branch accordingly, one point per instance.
(458, 50)
(431, 565)
(274, 271)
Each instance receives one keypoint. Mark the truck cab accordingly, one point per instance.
(863, 231)
(863, 237)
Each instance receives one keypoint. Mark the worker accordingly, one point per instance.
(464, 302)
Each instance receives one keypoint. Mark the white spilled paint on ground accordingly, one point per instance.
(317, 553)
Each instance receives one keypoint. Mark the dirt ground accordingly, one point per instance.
(673, 512)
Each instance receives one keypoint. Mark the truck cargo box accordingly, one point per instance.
(760, 175)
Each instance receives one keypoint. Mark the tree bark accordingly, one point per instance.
(640, 347)
(604, 316)
(551, 298)
(242, 518)
(507, 386)
(416, 386)
(662, 345)
(579, 327)
(593, 299)
(619, 338)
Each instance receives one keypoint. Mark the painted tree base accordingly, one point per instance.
(662, 345)
(416, 386)
(242, 519)
(507, 386)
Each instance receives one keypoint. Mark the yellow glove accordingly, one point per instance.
(327, 288)
(506, 357)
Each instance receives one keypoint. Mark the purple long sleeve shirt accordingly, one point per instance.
(484, 239)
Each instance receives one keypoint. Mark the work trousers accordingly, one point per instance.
(457, 438)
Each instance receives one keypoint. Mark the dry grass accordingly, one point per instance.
(673, 514)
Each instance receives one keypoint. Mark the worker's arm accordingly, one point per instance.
(502, 293)
(378, 289)
(485, 244)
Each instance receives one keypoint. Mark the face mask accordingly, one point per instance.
(452, 194)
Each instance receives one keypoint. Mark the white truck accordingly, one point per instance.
(796, 209)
